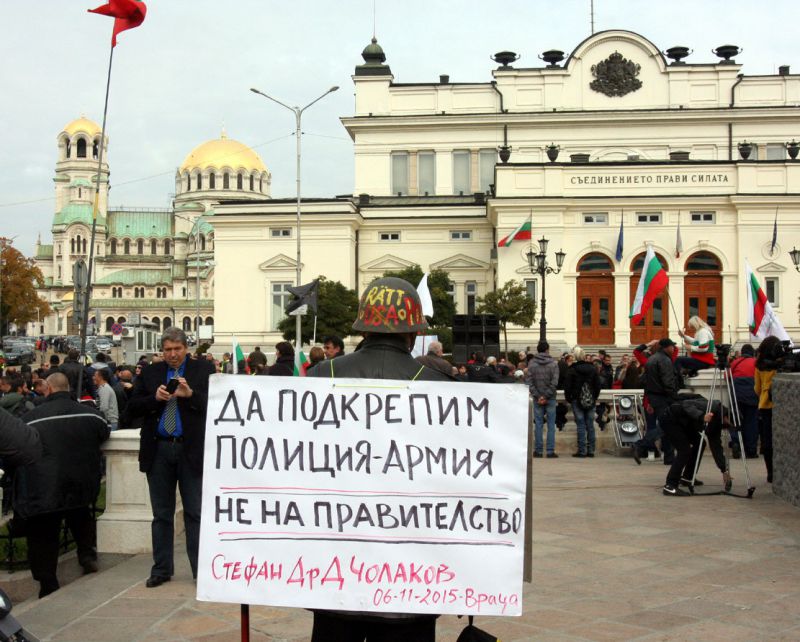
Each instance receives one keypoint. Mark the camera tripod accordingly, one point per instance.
(722, 385)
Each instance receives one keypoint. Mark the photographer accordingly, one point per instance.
(767, 362)
(743, 374)
(683, 422)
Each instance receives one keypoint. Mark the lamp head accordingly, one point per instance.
(560, 258)
(543, 245)
(795, 254)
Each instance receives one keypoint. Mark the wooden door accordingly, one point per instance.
(703, 298)
(595, 310)
(655, 323)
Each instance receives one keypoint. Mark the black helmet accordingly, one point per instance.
(390, 306)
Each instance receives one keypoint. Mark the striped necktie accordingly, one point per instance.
(171, 416)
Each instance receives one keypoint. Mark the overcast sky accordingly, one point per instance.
(187, 70)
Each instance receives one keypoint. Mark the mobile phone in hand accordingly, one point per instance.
(172, 385)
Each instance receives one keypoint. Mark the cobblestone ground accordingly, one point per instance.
(614, 560)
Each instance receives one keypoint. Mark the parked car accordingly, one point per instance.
(19, 354)
(102, 344)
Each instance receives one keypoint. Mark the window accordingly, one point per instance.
(280, 232)
(460, 235)
(109, 323)
(95, 147)
(184, 292)
(153, 247)
(187, 323)
(199, 181)
(188, 183)
(776, 151)
(226, 181)
(771, 287)
(280, 297)
(703, 262)
(595, 218)
(59, 272)
(260, 183)
(486, 161)
(648, 218)
(451, 291)
(140, 246)
(426, 173)
(81, 148)
(212, 181)
(389, 236)
(72, 246)
(138, 293)
(83, 246)
(472, 294)
(202, 243)
(252, 185)
(167, 247)
(400, 173)
(113, 246)
(530, 289)
(702, 217)
(239, 181)
(595, 262)
(461, 182)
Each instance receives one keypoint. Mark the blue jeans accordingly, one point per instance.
(170, 469)
(585, 422)
(538, 416)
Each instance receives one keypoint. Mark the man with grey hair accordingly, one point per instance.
(435, 360)
(171, 398)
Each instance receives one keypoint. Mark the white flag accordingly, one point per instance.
(425, 296)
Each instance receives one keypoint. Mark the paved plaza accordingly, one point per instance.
(614, 560)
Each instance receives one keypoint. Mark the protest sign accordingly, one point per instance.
(364, 495)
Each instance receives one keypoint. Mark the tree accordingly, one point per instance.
(337, 307)
(510, 304)
(439, 285)
(19, 278)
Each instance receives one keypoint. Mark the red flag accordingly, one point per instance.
(128, 14)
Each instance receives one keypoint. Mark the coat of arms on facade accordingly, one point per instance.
(615, 76)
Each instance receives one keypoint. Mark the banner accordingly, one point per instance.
(364, 495)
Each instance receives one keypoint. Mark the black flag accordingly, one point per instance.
(304, 295)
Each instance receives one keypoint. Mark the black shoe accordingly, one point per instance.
(156, 580)
(673, 491)
(579, 454)
(688, 482)
(668, 461)
(590, 454)
(90, 566)
(552, 456)
(637, 456)
(537, 454)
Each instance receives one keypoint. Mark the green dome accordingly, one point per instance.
(373, 53)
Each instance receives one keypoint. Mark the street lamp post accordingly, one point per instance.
(537, 262)
(298, 113)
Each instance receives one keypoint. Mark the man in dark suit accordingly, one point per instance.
(171, 398)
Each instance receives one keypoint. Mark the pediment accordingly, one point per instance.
(388, 262)
(771, 267)
(459, 262)
(278, 262)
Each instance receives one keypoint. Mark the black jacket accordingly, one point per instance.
(68, 473)
(659, 375)
(283, 367)
(143, 403)
(688, 410)
(577, 373)
(19, 443)
(481, 373)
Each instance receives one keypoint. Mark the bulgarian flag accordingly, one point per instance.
(238, 355)
(760, 316)
(303, 361)
(652, 282)
(522, 233)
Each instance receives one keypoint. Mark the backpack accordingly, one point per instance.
(585, 396)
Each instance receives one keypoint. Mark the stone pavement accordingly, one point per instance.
(614, 560)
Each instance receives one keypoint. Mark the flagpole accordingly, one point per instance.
(88, 292)
(672, 306)
(314, 338)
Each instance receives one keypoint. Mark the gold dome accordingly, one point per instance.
(83, 125)
(223, 152)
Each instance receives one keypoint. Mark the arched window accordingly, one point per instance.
(81, 147)
(188, 182)
(109, 323)
(187, 323)
(157, 322)
(212, 181)
(140, 246)
(153, 246)
(199, 181)
(95, 149)
(167, 323)
(209, 321)
(113, 246)
(703, 262)
(202, 243)
(127, 246)
(595, 262)
(239, 181)
(261, 184)
(252, 182)
(80, 191)
(226, 181)
(167, 247)
(122, 320)
(72, 246)
(83, 246)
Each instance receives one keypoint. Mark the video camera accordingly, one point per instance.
(723, 353)
(788, 357)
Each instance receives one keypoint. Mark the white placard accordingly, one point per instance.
(421, 344)
(364, 495)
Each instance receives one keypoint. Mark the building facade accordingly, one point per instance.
(610, 149)
(150, 264)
